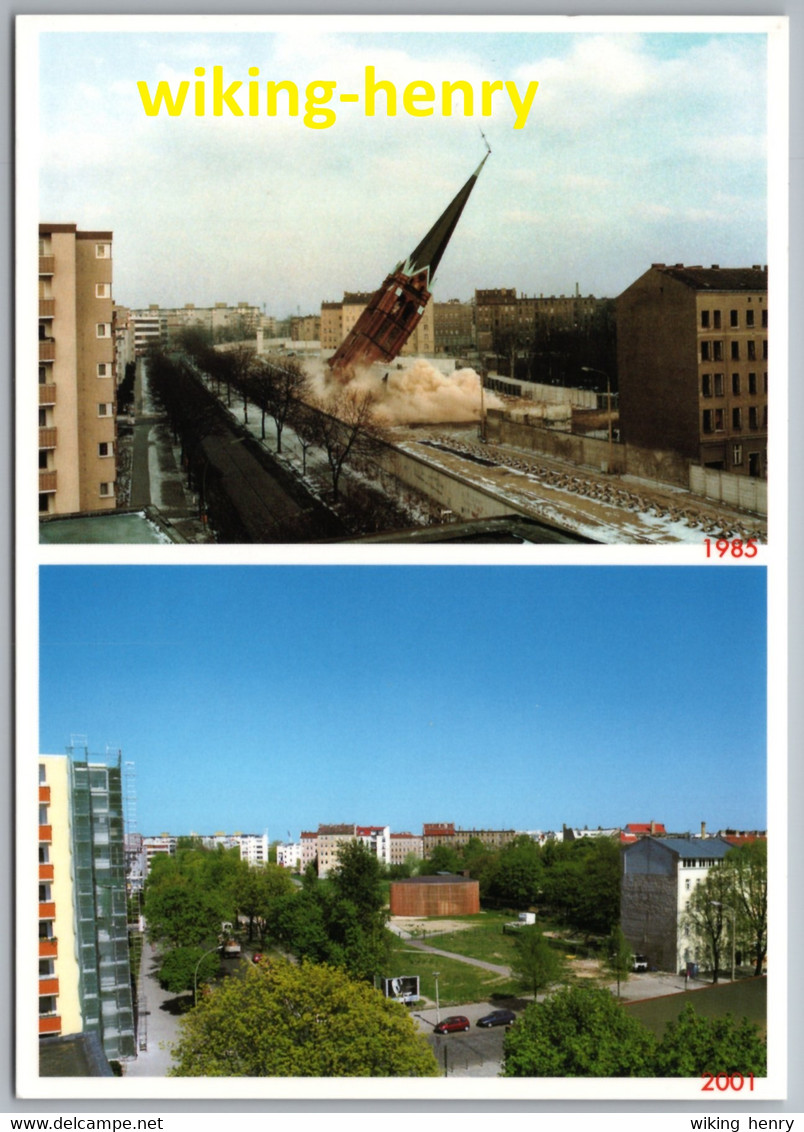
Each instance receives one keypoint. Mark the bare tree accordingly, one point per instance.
(286, 385)
(345, 427)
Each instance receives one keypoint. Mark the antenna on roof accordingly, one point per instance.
(485, 139)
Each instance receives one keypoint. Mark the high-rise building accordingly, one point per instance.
(77, 422)
(84, 966)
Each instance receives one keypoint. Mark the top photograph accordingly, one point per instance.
(444, 280)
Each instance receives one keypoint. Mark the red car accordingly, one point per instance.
(256, 957)
(451, 1024)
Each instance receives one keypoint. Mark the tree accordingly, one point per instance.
(747, 869)
(357, 913)
(578, 1033)
(707, 917)
(517, 877)
(283, 387)
(300, 1021)
(536, 964)
(255, 890)
(619, 956)
(185, 968)
(693, 1045)
(345, 426)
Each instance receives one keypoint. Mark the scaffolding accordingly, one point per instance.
(101, 905)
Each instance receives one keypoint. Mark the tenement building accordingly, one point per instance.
(77, 420)
(692, 358)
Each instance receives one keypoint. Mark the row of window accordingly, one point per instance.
(714, 419)
(734, 319)
(106, 490)
(714, 352)
(713, 384)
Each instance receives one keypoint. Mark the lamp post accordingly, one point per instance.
(725, 907)
(195, 974)
(591, 369)
(438, 1009)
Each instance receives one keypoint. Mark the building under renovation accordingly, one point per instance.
(84, 966)
(396, 307)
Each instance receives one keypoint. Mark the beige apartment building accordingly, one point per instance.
(77, 381)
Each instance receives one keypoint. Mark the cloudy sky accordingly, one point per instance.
(493, 697)
(639, 147)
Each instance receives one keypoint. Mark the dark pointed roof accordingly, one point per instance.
(429, 252)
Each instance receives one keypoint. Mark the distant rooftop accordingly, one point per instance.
(121, 527)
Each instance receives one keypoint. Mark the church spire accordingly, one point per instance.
(396, 307)
(428, 253)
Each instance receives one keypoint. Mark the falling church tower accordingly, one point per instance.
(394, 310)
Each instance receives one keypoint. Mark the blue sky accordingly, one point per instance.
(639, 147)
(526, 697)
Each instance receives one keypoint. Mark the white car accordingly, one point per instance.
(640, 963)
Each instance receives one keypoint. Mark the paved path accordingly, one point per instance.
(496, 968)
(158, 1024)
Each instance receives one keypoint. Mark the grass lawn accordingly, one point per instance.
(457, 982)
(747, 998)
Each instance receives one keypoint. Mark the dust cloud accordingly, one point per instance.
(418, 394)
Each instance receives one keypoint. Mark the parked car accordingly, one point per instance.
(451, 1024)
(497, 1018)
(256, 957)
(640, 962)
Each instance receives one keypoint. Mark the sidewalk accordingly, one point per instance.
(158, 1026)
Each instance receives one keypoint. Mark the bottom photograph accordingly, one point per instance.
(383, 821)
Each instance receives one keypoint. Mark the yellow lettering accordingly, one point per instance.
(316, 117)
(447, 90)
(219, 95)
(152, 106)
(488, 90)
(409, 97)
(292, 93)
(372, 86)
(521, 105)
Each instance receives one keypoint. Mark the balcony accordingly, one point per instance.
(45, 833)
(50, 985)
(47, 308)
(46, 264)
(50, 1024)
(47, 437)
(47, 910)
(47, 481)
(47, 349)
(48, 948)
(47, 394)
(46, 872)
(44, 795)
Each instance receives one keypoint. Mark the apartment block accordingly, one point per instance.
(77, 380)
(405, 845)
(84, 966)
(692, 357)
(445, 833)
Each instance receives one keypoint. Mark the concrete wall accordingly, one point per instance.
(463, 499)
(738, 491)
(586, 450)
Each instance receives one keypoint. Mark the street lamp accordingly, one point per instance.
(591, 369)
(725, 907)
(195, 974)
(438, 1009)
